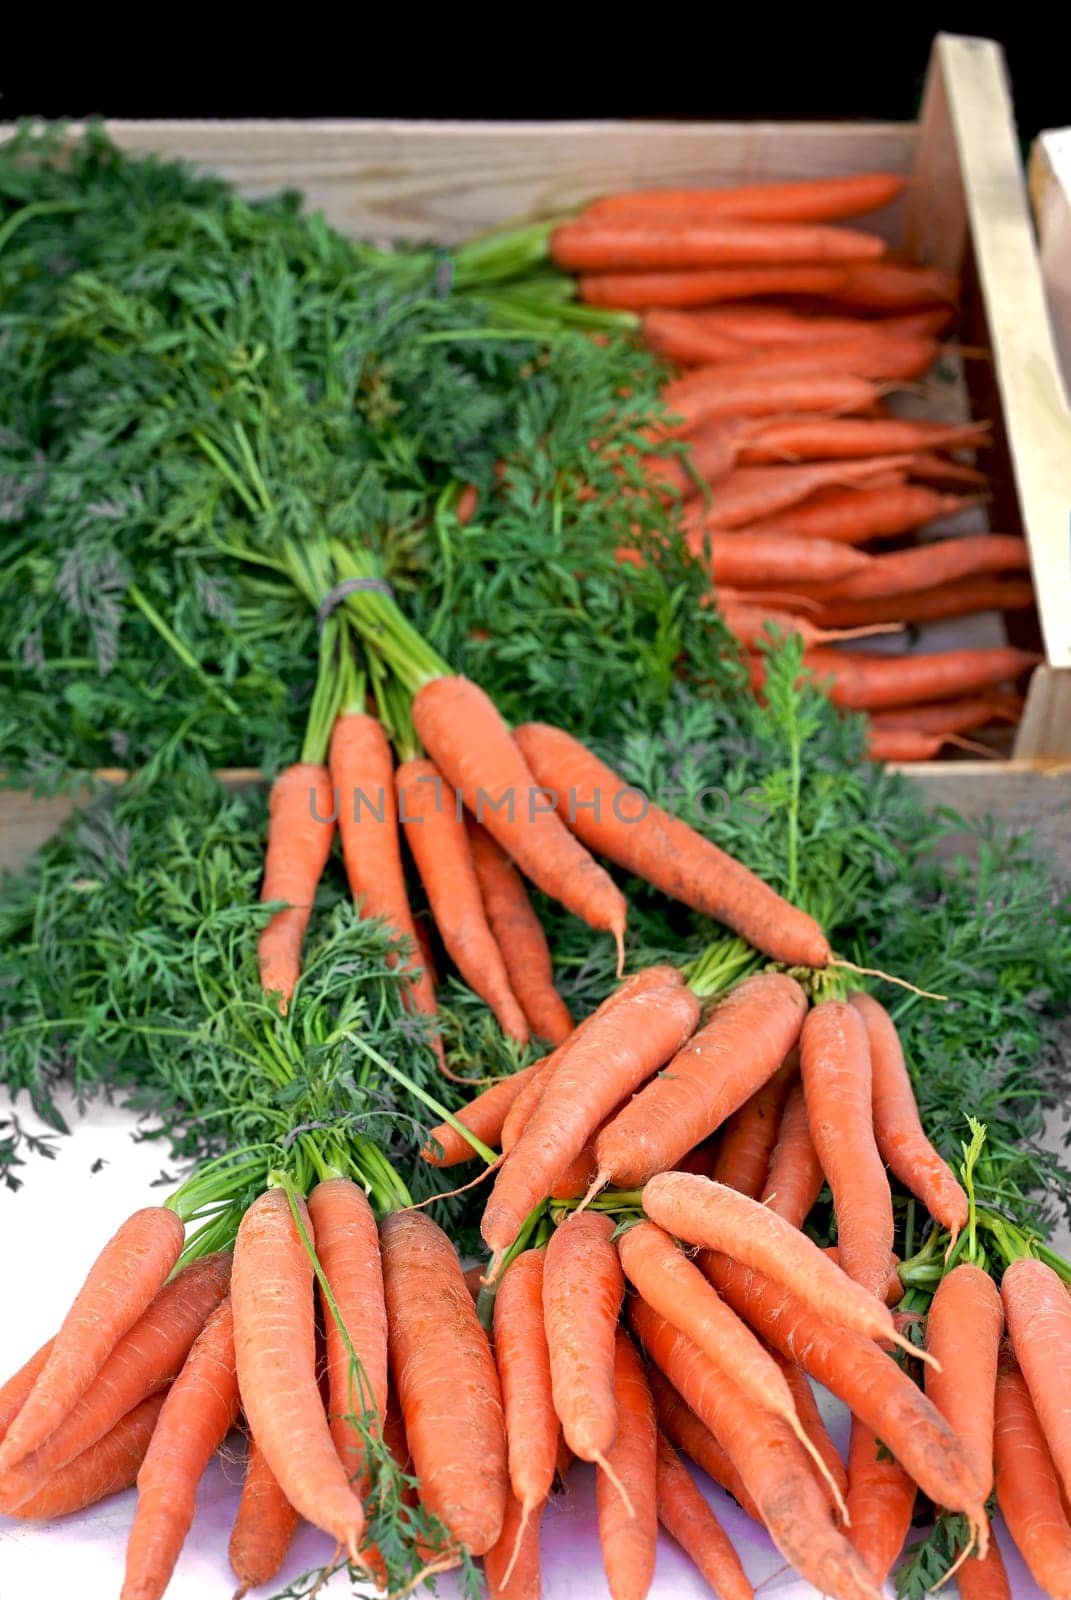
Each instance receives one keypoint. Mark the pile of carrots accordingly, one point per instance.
(789, 332)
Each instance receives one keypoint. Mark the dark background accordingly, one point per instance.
(531, 63)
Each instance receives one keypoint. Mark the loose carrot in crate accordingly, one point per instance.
(854, 515)
(950, 716)
(873, 353)
(963, 598)
(845, 438)
(806, 200)
(865, 683)
(904, 744)
(748, 494)
(943, 561)
(752, 394)
(628, 244)
(642, 291)
(744, 559)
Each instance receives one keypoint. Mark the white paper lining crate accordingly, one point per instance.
(966, 209)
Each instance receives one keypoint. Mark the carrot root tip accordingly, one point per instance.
(526, 1511)
(598, 1183)
(604, 1466)
(827, 1477)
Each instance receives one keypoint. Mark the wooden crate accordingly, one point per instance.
(966, 206)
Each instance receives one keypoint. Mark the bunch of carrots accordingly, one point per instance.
(789, 332)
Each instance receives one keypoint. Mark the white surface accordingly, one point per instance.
(52, 1228)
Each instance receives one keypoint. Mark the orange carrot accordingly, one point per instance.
(963, 1331)
(704, 1213)
(130, 1270)
(751, 625)
(871, 353)
(199, 1411)
(745, 559)
(276, 1356)
(347, 1245)
(752, 394)
(858, 1372)
(682, 336)
(815, 1436)
(264, 1525)
(854, 515)
(741, 1047)
(894, 286)
(929, 466)
(881, 1501)
(472, 747)
(689, 1521)
(523, 1363)
(747, 323)
(962, 598)
(929, 565)
(1038, 1309)
(483, 1116)
(446, 1382)
(949, 716)
(145, 1360)
(528, 1098)
(695, 1440)
(897, 1127)
(13, 1393)
(430, 818)
(616, 820)
(836, 1072)
(794, 1179)
(894, 1288)
(768, 1457)
(848, 438)
(711, 455)
(583, 1287)
(1028, 1486)
(616, 1054)
(468, 502)
(984, 1580)
(107, 1467)
(748, 494)
(516, 1554)
(749, 1135)
(625, 1486)
(641, 291)
(301, 826)
(626, 244)
(805, 200)
(520, 937)
(866, 683)
(362, 772)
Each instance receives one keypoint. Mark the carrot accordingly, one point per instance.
(814, 1436)
(130, 1270)
(276, 1357)
(750, 625)
(1038, 1309)
(866, 683)
(1028, 1486)
(512, 1566)
(695, 1440)
(681, 336)
(854, 515)
(748, 494)
(637, 245)
(949, 716)
(894, 1288)
(881, 1501)
(362, 772)
(930, 565)
(897, 1127)
(871, 353)
(105, 1468)
(794, 1179)
(711, 453)
(929, 466)
(765, 324)
(471, 746)
(301, 826)
(963, 598)
(734, 1054)
(145, 1360)
(709, 1214)
(641, 291)
(770, 1461)
(963, 1331)
(675, 1288)
(199, 1411)
(579, 1175)
(620, 1050)
(904, 744)
(468, 502)
(583, 1287)
(805, 200)
(894, 286)
(523, 1363)
(749, 1135)
(264, 1525)
(625, 1487)
(347, 1245)
(520, 937)
(13, 1393)
(440, 845)
(746, 559)
(528, 1098)
(849, 438)
(446, 1382)
(689, 1521)
(858, 1372)
(607, 815)
(984, 1580)
(752, 394)
(483, 1116)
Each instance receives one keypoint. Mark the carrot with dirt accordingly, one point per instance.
(769, 1458)
(749, 1135)
(520, 937)
(739, 1049)
(752, 394)
(301, 826)
(666, 852)
(675, 1288)
(645, 291)
(965, 597)
(583, 1287)
(347, 1245)
(616, 1054)
(264, 1525)
(836, 1071)
(145, 1361)
(690, 1522)
(440, 846)
(128, 1273)
(626, 1484)
(199, 1411)
(628, 244)
(484, 1117)
(446, 1382)
(855, 515)
(851, 438)
(105, 1468)
(898, 1130)
(523, 1362)
(1038, 1311)
(859, 1372)
(512, 1565)
(471, 746)
(748, 494)
(804, 200)
(744, 559)
(1029, 1491)
(881, 1501)
(794, 1178)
